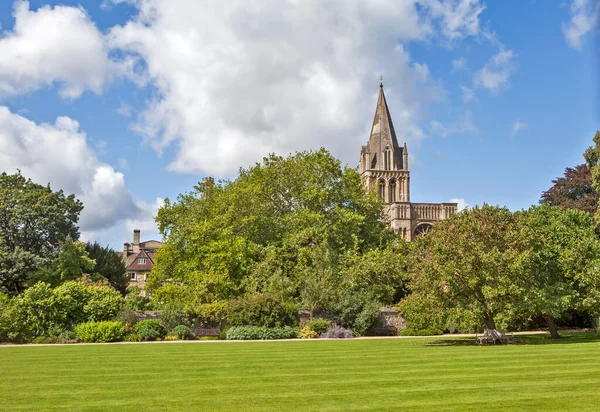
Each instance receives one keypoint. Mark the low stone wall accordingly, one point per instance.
(391, 323)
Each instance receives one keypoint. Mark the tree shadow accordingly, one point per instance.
(523, 340)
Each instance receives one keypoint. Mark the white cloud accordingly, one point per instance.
(495, 74)
(464, 125)
(55, 45)
(60, 154)
(462, 204)
(144, 220)
(236, 80)
(458, 64)
(468, 94)
(458, 18)
(517, 126)
(584, 17)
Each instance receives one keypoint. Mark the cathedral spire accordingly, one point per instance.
(382, 132)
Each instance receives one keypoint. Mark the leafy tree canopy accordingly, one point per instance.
(573, 191)
(466, 263)
(560, 263)
(108, 264)
(34, 222)
(278, 224)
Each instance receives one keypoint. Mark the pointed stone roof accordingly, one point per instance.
(382, 132)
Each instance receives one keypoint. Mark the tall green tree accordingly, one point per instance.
(34, 222)
(108, 264)
(592, 158)
(72, 262)
(560, 262)
(467, 263)
(279, 222)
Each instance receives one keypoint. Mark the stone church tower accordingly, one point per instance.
(384, 168)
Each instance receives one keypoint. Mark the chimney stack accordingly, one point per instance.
(125, 249)
(136, 240)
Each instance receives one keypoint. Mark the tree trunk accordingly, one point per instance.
(552, 327)
(489, 322)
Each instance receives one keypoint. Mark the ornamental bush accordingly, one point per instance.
(307, 333)
(261, 310)
(150, 329)
(261, 333)
(183, 332)
(318, 325)
(99, 332)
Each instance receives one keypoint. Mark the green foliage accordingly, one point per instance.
(171, 316)
(319, 325)
(366, 319)
(134, 300)
(277, 225)
(467, 262)
(421, 332)
(560, 262)
(35, 221)
(73, 260)
(109, 265)
(133, 337)
(150, 329)
(357, 311)
(100, 332)
(261, 310)
(44, 311)
(183, 332)
(211, 314)
(262, 333)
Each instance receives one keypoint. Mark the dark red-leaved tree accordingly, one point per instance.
(573, 191)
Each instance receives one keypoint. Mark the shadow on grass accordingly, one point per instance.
(565, 338)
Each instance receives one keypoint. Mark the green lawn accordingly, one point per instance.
(391, 374)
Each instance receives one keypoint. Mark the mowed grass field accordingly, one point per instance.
(378, 375)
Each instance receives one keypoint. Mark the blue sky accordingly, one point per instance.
(125, 103)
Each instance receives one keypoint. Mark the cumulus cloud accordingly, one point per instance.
(495, 74)
(55, 45)
(462, 204)
(584, 17)
(518, 126)
(457, 18)
(59, 153)
(236, 80)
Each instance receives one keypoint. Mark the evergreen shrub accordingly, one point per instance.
(150, 329)
(99, 332)
(262, 333)
(261, 310)
(319, 325)
(183, 332)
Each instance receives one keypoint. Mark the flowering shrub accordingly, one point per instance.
(337, 332)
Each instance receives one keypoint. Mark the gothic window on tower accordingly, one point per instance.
(381, 190)
(392, 191)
